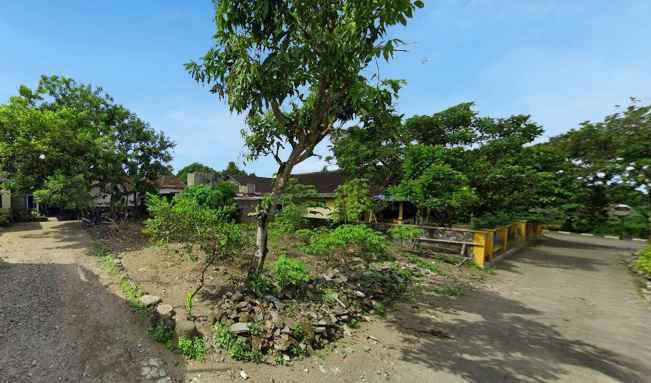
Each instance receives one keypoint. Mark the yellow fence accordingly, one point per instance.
(490, 244)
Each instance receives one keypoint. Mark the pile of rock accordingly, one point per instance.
(161, 313)
(289, 329)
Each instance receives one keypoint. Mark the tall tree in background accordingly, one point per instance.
(297, 69)
(73, 131)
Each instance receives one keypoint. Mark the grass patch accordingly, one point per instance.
(162, 334)
(643, 262)
(423, 264)
(449, 290)
(193, 348)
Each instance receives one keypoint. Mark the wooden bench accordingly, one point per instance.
(463, 244)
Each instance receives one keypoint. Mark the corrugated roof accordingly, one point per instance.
(325, 182)
(169, 182)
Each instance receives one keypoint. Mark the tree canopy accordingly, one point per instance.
(65, 130)
(298, 71)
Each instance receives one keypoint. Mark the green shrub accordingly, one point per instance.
(290, 272)
(193, 348)
(643, 263)
(237, 348)
(5, 219)
(259, 284)
(356, 239)
(189, 303)
(162, 334)
(423, 264)
(406, 235)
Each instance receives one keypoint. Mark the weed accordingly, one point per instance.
(188, 303)
(643, 263)
(354, 323)
(298, 332)
(330, 295)
(237, 348)
(290, 272)
(255, 328)
(380, 309)
(431, 266)
(162, 334)
(449, 290)
(193, 348)
(259, 285)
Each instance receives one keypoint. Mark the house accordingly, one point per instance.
(169, 186)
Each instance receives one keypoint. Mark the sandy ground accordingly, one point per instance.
(566, 310)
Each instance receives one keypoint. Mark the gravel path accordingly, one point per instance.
(566, 310)
(59, 320)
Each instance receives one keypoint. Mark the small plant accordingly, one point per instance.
(354, 323)
(162, 334)
(290, 272)
(355, 239)
(259, 284)
(330, 295)
(298, 332)
(237, 348)
(380, 309)
(255, 328)
(643, 262)
(192, 348)
(406, 236)
(188, 303)
(431, 266)
(449, 290)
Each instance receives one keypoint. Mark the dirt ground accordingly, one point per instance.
(566, 310)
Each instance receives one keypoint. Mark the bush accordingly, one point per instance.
(406, 235)
(258, 284)
(5, 219)
(643, 262)
(356, 239)
(237, 348)
(193, 348)
(290, 272)
(162, 334)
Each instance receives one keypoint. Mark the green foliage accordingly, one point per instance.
(406, 235)
(72, 193)
(295, 201)
(64, 137)
(643, 262)
(194, 167)
(297, 69)
(5, 219)
(233, 170)
(162, 334)
(449, 290)
(352, 201)
(194, 227)
(355, 239)
(184, 221)
(193, 348)
(259, 284)
(423, 264)
(237, 348)
(188, 303)
(220, 196)
(330, 295)
(290, 273)
(433, 185)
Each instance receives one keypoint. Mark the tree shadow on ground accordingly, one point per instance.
(62, 315)
(545, 258)
(495, 339)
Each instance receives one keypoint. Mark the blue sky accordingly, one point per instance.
(563, 62)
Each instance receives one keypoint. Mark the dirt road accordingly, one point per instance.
(564, 311)
(60, 322)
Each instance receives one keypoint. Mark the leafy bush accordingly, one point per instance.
(5, 219)
(406, 235)
(643, 263)
(356, 239)
(290, 272)
(295, 200)
(492, 220)
(237, 348)
(352, 200)
(220, 196)
(162, 334)
(193, 348)
(258, 284)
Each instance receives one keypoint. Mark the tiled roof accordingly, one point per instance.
(169, 182)
(325, 182)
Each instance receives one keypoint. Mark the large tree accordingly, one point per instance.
(298, 69)
(193, 168)
(63, 129)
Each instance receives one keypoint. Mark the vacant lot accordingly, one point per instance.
(565, 310)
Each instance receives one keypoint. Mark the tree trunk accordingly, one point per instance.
(266, 212)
